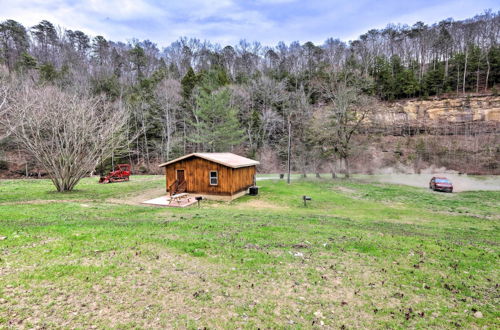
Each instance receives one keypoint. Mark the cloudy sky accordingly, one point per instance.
(228, 21)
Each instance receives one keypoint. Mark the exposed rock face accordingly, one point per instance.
(456, 109)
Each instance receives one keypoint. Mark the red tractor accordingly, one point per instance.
(121, 173)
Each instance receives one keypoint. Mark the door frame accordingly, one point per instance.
(177, 173)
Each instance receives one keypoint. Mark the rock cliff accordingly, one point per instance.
(454, 109)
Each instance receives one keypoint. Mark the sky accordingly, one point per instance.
(228, 21)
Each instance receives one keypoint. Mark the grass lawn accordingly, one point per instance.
(359, 255)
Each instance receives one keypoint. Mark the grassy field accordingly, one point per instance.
(359, 255)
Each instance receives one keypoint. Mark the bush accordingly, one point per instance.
(4, 165)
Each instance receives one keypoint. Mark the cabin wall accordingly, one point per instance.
(197, 175)
(243, 178)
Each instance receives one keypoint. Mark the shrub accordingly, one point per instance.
(4, 165)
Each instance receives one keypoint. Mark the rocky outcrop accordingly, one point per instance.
(454, 109)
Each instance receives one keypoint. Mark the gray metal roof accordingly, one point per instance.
(224, 158)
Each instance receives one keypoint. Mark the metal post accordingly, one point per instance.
(289, 147)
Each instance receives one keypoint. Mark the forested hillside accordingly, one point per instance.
(324, 101)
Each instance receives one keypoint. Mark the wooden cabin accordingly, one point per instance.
(218, 176)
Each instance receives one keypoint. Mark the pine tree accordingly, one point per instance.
(216, 125)
(188, 83)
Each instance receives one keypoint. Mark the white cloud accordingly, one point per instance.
(121, 9)
(228, 21)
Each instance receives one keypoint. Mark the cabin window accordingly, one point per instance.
(214, 178)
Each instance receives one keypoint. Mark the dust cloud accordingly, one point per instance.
(461, 182)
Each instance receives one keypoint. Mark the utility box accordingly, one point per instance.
(253, 191)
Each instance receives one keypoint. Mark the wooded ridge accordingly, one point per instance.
(253, 99)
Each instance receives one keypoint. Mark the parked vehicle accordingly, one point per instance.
(121, 173)
(441, 184)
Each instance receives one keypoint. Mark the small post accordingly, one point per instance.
(306, 198)
(198, 199)
(289, 148)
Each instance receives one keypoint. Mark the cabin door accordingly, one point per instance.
(180, 176)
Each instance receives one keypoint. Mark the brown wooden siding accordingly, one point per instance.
(242, 178)
(197, 174)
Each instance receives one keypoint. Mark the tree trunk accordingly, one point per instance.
(465, 71)
(168, 134)
(146, 147)
(346, 165)
(477, 77)
(487, 74)
(184, 134)
(446, 69)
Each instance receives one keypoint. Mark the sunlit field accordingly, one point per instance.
(358, 255)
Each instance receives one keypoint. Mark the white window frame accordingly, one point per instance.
(216, 178)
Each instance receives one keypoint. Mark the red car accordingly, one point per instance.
(441, 184)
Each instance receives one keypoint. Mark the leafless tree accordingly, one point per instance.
(3, 102)
(267, 94)
(347, 111)
(3, 97)
(320, 136)
(169, 96)
(65, 132)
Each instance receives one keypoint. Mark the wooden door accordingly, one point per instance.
(180, 176)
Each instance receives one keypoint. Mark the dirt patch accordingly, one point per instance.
(346, 190)
(138, 198)
(260, 204)
(47, 201)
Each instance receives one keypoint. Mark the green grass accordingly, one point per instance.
(359, 255)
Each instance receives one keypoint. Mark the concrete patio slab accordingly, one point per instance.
(165, 201)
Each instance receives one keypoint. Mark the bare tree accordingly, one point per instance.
(169, 96)
(267, 95)
(3, 102)
(3, 97)
(65, 132)
(348, 109)
(320, 137)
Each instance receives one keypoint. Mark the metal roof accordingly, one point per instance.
(224, 158)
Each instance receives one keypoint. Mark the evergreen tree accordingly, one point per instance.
(138, 59)
(13, 42)
(433, 80)
(216, 122)
(27, 62)
(188, 83)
